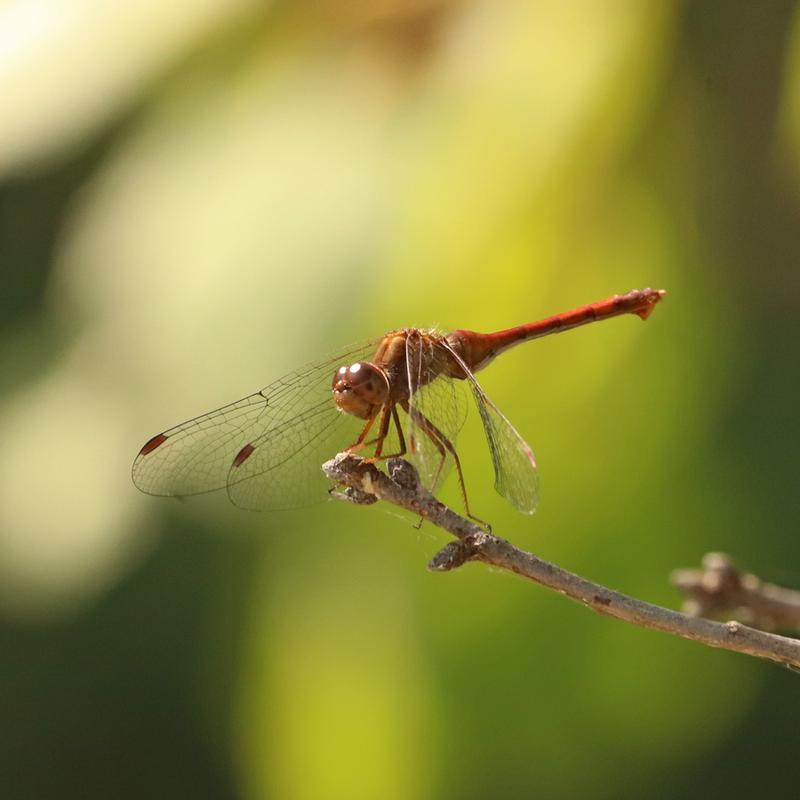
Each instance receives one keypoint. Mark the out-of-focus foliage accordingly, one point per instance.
(195, 197)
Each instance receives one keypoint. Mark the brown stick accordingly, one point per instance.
(720, 590)
(401, 487)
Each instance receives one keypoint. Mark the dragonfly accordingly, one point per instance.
(404, 394)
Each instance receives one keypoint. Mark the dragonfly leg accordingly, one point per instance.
(359, 443)
(383, 431)
(389, 414)
(399, 428)
(442, 444)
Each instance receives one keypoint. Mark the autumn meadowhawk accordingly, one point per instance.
(402, 394)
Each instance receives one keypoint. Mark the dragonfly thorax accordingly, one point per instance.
(360, 389)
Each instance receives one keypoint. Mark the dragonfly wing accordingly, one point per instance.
(515, 473)
(197, 456)
(194, 457)
(283, 467)
(437, 410)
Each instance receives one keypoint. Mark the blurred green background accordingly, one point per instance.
(196, 197)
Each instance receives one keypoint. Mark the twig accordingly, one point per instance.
(401, 487)
(720, 590)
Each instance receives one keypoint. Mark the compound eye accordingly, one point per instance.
(339, 377)
(358, 375)
(365, 375)
(363, 378)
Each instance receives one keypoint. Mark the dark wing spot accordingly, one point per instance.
(243, 455)
(151, 445)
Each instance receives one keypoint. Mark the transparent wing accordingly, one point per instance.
(514, 464)
(437, 409)
(286, 424)
(283, 467)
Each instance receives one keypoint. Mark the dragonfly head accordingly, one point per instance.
(360, 388)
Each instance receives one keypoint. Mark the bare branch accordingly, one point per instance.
(720, 590)
(401, 487)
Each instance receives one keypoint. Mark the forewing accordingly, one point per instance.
(285, 418)
(515, 473)
(437, 409)
(283, 467)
